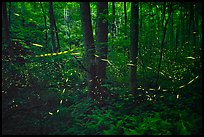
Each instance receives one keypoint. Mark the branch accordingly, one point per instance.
(79, 62)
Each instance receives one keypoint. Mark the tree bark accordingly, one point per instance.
(101, 47)
(22, 14)
(56, 32)
(195, 30)
(171, 37)
(140, 16)
(163, 14)
(89, 47)
(52, 27)
(162, 44)
(125, 18)
(9, 18)
(5, 21)
(134, 26)
(45, 23)
(113, 23)
(102, 38)
(191, 21)
(181, 25)
(176, 48)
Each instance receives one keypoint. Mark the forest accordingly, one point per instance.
(102, 68)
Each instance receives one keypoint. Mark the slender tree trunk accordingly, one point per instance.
(9, 18)
(125, 18)
(134, 46)
(66, 21)
(125, 32)
(6, 33)
(186, 24)
(195, 30)
(172, 31)
(56, 32)
(190, 19)
(140, 16)
(163, 14)
(191, 23)
(52, 26)
(6, 24)
(177, 43)
(162, 44)
(149, 42)
(181, 25)
(113, 23)
(22, 14)
(89, 48)
(45, 24)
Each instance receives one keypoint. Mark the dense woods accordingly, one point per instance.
(101, 68)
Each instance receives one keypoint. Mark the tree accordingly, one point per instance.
(22, 13)
(125, 18)
(52, 26)
(140, 16)
(102, 38)
(56, 32)
(67, 23)
(89, 47)
(182, 35)
(171, 31)
(162, 44)
(6, 24)
(113, 23)
(9, 18)
(134, 45)
(45, 23)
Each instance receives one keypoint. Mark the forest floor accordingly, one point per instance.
(38, 112)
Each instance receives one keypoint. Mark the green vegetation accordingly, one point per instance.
(135, 69)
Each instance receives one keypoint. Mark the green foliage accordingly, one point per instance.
(46, 93)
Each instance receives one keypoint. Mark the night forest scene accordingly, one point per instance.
(102, 68)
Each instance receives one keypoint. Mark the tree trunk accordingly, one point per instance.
(181, 25)
(140, 16)
(45, 24)
(125, 17)
(9, 18)
(162, 44)
(52, 27)
(66, 21)
(101, 47)
(149, 41)
(5, 24)
(163, 13)
(22, 14)
(171, 34)
(113, 23)
(177, 43)
(102, 38)
(89, 47)
(134, 45)
(186, 23)
(56, 32)
(195, 30)
(191, 21)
